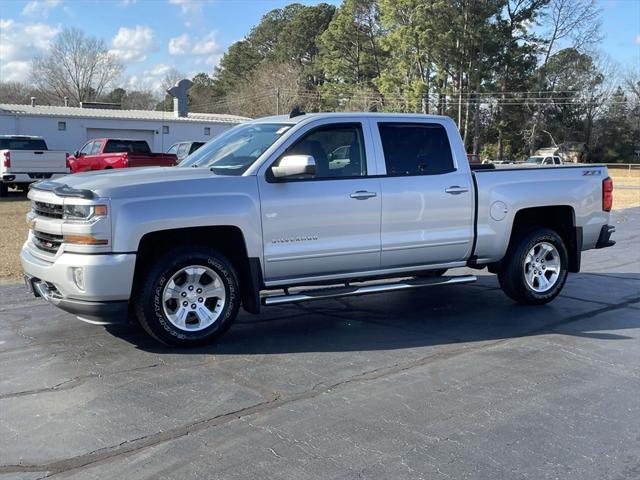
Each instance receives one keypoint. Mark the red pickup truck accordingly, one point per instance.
(105, 153)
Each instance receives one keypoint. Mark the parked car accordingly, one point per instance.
(544, 160)
(262, 212)
(108, 153)
(183, 149)
(26, 159)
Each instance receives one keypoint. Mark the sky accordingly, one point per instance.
(152, 36)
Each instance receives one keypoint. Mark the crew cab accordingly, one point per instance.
(295, 208)
(26, 159)
(108, 153)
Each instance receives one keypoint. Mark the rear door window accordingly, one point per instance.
(415, 149)
(128, 146)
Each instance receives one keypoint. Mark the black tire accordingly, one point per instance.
(4, 189)
(148, 296)
(512, 272)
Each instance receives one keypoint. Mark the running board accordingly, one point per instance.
(348, 291)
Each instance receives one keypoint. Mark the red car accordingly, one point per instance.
(106, 153)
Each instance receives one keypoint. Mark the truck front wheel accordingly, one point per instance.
(535, 267)
(189, 297)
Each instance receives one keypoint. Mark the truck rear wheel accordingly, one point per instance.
(535, 267)
(189, 297)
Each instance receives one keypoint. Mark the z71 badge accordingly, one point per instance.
(587, 173)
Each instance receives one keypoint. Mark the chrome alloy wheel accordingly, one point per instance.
(194, 298)
(542, 267)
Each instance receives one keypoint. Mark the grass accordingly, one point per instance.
(13, 228)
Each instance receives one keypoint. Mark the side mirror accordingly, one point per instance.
(76, 153)
(294, 165)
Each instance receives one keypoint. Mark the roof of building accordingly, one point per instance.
(56, 111)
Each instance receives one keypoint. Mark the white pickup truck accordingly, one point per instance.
(26, 159)
(288, 209)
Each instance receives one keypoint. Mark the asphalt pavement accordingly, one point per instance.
(440, 383)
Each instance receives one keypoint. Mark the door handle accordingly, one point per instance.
(456, 190)
(363, 195)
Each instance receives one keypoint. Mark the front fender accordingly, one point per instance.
(136, 217)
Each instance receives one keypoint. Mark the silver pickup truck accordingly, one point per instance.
(287, 209)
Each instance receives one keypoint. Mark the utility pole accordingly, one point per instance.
(278, 101)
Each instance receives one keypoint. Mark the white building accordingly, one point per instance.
(68, 128)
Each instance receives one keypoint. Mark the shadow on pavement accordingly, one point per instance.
(424, 317)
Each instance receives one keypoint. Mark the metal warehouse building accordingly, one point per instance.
(68, 128)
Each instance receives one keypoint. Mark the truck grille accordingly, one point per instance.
(46, 241)
(49, 210)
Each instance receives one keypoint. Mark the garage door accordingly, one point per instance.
(132, 134)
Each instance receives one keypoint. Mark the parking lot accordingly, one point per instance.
(455, 382)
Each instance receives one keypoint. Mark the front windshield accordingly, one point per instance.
(233, 152)
(534, 160)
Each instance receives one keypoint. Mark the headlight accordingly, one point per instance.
(84, 212)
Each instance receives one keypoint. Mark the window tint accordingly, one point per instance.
(195, 146)
(415, 148)
(130, 146)
(556, 160)
(96, 148)
(87, 148)
(337, 149)
(22, 144)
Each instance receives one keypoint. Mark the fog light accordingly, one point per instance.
(78, 277)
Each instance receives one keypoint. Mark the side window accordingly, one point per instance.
(96, 148)
(547, 161)
(556, 160)
(415, 149)
(173, 148)
(86, 149)
(182, 149)
(337, 149)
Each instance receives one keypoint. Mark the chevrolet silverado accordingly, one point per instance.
(305, 207)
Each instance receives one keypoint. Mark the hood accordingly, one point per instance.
(142, 181)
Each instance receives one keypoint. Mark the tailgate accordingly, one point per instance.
(38, 161)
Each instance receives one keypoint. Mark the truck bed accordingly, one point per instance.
(504, 190)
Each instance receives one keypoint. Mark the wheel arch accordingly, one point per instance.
(560, 218)
(227, 239)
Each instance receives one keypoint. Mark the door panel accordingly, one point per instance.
(421, 223)
(427, 197)
(329, 222)
(314, 227)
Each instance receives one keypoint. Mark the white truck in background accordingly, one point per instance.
(26, 159)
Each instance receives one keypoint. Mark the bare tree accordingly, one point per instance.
(171, 78)
(76, 66)
(576, 22)
(15, 92)
(272, 87)
(140, 100)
